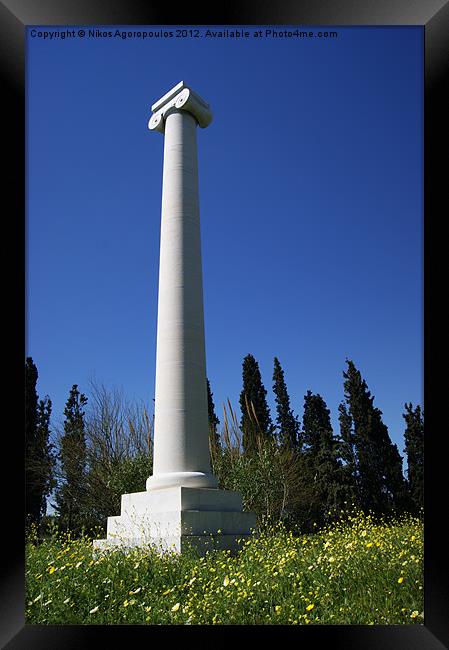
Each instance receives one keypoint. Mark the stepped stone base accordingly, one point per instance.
(176, 518)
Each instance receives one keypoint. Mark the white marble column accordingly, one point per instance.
(182, 506)
(181, 438)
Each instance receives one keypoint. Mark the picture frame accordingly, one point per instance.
(433, 16)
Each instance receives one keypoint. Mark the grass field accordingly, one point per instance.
(357, 571)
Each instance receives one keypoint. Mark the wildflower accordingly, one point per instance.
(400, 580)
(414, 614)
(95, 609)
(310, 607)
(226, 581)
(277, 609)
(175, 607)
(51, 570)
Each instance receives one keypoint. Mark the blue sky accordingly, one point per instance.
(311, 200)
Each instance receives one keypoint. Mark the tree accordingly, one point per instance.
(414, 448)
(70, 495)
(39, 458)
(119, 445)
(45, 457)
(32, 498)
(347, 453)
(214, 437)
(270, 478)
(378, 463)
(321, 455)
(256, 419)
(287, 422)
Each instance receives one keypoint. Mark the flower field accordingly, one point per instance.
(357, 571)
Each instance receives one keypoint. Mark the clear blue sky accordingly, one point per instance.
(311, 195)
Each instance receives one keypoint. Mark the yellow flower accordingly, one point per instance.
(51, 570)
(277, 609)
(175, 607)
(414, 614)
(310, 607)
(400, 580)
(226, 581)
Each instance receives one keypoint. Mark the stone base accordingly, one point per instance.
(176, 518)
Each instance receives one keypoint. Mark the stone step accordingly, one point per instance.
(175, 544)
(180, 522)
(181, 498)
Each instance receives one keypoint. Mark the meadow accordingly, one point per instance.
(358, 570)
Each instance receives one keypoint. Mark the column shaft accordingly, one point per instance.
(181, 441)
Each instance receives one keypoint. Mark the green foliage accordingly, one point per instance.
(379, 478)
(105, 486)
(322, 459)
(39, 456)
(414, 448)
(287, 422)
(256, 418)
(71, 490)
(214, 436)
(267, 478)
(359, 571)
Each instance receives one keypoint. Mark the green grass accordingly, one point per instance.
(358, 571)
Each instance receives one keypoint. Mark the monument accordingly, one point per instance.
(182, 505)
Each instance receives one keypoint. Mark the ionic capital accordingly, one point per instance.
(182, 98)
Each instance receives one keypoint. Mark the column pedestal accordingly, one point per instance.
(177, 518)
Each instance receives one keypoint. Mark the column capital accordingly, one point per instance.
(182, 98)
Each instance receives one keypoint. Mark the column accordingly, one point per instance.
(181, 433)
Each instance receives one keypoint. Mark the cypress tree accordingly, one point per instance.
(348, 454)
(39, 459)
(379, 465)
(256, 419)
(414, 448)
(72, 457)
(287, 422)
(45, 459)
(33, 502)
(321, 455)
(214, 437)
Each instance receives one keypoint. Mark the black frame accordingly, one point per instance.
(433, 15)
